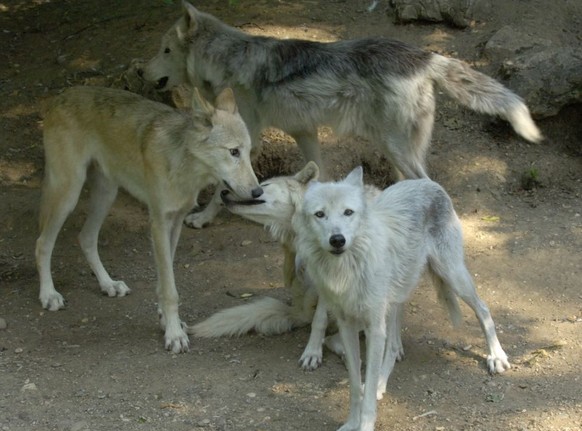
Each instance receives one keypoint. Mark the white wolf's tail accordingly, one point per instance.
(266, 316)
(483, 94)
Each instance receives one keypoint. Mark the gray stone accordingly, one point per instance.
(509, 42)
(457, 13)
(548, 79)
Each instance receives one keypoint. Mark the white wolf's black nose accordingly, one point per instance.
(337, 241)
(256, 192)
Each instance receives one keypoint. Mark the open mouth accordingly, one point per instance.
(224, 195)
(161, 83)
(337, 251)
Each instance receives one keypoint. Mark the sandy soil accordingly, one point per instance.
(100, 363)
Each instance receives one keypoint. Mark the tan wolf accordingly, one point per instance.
(162, 156)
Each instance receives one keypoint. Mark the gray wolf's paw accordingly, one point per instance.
(197, 220)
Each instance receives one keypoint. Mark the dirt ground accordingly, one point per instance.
(100, 363)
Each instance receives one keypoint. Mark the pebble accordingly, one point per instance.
(246, 242)
(2, 323)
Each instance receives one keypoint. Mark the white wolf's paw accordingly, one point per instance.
(499, 363)
(197, 220)
(176, 339)
(52, 301)
(115, 288)
(350, 425)
(381, 390)
(334, 343)
(310, 360)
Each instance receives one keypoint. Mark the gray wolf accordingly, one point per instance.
(162, 156)
(376, 88)
(366, 257)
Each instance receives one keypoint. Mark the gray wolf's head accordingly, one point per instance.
(169, 66)
(221, 140)
(276, 206)
(331, 213)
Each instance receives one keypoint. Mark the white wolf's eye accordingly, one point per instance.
(319, 214)
(167, 51)
(235, 152)
(348, 212)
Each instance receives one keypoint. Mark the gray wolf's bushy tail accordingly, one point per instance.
(266, 316)
(483, 94)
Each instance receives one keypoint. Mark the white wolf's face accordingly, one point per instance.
(277, 204)
(332, 212)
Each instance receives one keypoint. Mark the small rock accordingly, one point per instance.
(80, 426)
(18, 350)
(28, 387)
(246, 242)
(2, 323)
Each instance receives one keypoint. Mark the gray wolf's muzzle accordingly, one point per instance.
(337, 241)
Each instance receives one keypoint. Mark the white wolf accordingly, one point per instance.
(366, 257)
(162, 156)
(376, 88)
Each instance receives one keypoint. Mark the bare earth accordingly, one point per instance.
(100, 363)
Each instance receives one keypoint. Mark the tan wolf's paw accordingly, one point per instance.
(115, 288)
(197, 220)
(53, 301)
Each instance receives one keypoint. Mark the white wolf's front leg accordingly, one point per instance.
(312, 355)
(350, 339)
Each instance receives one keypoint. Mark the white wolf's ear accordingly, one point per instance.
(202, 111)
(190, 22)
(356, 177)
(309, 173)
(226, 102)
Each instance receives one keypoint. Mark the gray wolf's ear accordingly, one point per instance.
(309, 173)
(189, 24)
(226, 102)
(201, 109)
(356, 177)
(182, 97)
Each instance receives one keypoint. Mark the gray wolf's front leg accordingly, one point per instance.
(198, 220)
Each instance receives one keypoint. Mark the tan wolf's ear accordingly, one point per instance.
(226, 102)
(189, 24)
(309, 173)
(182, 97)
(201, 109)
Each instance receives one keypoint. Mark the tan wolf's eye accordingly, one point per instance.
(235, 152)
(167, 51)
(348, 212)
(319, 214)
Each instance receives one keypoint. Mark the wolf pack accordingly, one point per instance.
(353, 253)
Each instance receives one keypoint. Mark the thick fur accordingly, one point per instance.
(376, 88)
(365, 258)
(162, 156)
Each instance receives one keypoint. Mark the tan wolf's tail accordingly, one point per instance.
(483, 94)
(267, 316)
